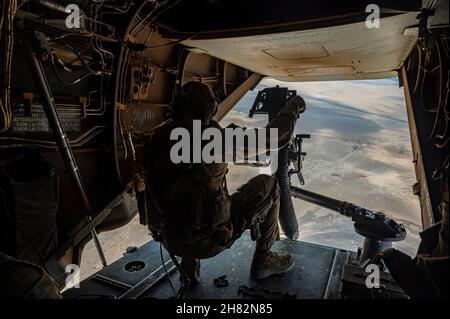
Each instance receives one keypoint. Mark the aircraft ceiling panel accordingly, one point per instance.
(344, 52)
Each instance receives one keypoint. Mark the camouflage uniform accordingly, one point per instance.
(199, 217)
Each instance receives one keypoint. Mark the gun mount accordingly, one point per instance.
(270, 101)
(296, 156)
(378, 230)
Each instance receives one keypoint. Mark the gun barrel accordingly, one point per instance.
(374, 225)
(317, 199)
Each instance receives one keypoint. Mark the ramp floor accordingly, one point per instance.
(139, 274)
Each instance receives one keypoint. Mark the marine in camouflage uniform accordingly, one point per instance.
(192, 213)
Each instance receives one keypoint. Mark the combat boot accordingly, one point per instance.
(270, 263)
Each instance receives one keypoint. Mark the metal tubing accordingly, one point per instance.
(97, 244)
(317, 199)
(288, 220)
(48, 103)
(40, 81)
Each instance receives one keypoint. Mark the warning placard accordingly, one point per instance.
(36, 121)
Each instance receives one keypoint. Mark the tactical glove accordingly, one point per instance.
(296, 104)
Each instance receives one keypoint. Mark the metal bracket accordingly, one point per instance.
(297, 156)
